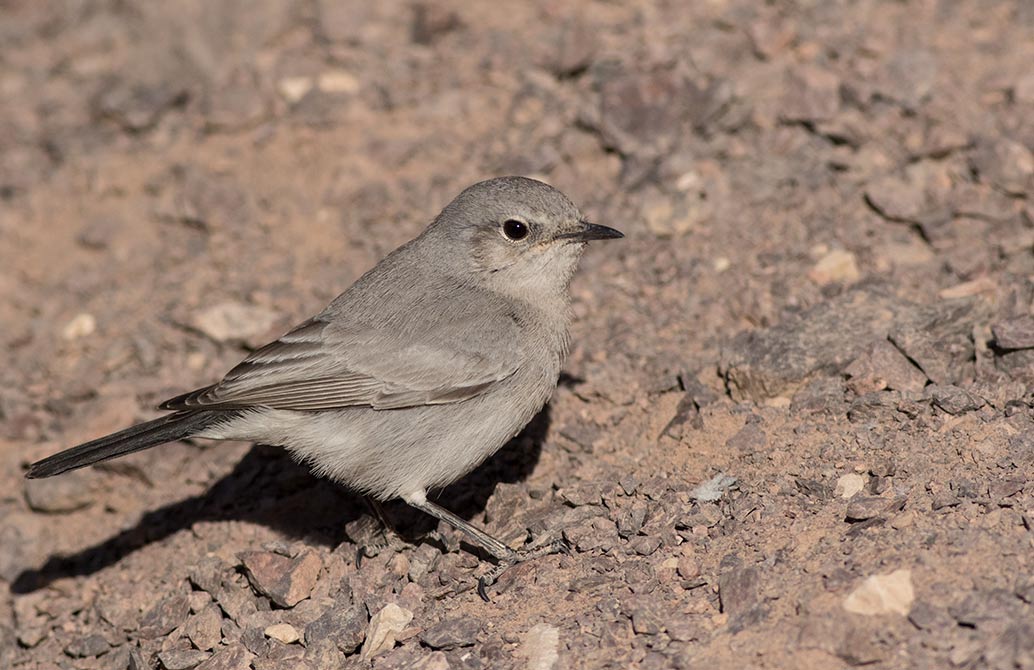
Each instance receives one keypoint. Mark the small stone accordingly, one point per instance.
(138, 105)
(647, 621)
(234, 321)
(891, 593)
(385, 626)
(282, 632)
(182, 659)
(432, 20)
(712, 490)
(1016, 333)
(882, 366)
(283, 580)
(87, 646)
(235, 657)
(294, 89)
(163, 618)
(204, 629)
(59, 495)
(452, 633)
(836, 267)
(344, 626)
(540, 647)
(810, 94)
(81, 325)
(848, 485)
(645, 545)
(953, 399)
(865, 507)
(337, 82)
(738, 590)
(1005, 163)
(688, 568)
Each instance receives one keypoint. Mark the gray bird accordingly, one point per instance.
(421, 370)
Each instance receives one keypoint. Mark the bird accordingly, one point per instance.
(422, 369)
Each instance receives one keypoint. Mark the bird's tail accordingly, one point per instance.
(136, 438)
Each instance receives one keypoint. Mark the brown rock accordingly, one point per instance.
(204, 629)
(235, 657)
(283, 580)
(163, 618)
(452, 633)
(882, 366)
(1015, 333)
(182, 659)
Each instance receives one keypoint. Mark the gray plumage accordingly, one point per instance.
(422, 369)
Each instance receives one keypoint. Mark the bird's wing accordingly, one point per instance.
(318, 366)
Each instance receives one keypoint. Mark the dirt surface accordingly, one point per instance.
(795, 429)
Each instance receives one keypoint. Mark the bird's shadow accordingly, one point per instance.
(267, 487)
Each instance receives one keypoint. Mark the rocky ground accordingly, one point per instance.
(795, 429)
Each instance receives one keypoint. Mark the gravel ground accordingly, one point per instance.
(795, 429)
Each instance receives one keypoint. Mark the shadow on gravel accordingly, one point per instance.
(267, 487)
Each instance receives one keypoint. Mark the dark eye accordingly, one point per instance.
(514, 229)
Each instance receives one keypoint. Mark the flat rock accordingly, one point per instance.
(87, 646)
(738, 590)
(952, 399)
(182, 659)
(344, 626)
(452, 633)
(882, 366)
(775, 361)
(1015, 333)
(163, 618)
(540, 647)
(890, 593)
(235, 657)
(283, 580)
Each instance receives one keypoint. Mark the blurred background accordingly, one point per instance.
(824, 293)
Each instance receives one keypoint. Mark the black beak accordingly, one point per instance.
(591, 231)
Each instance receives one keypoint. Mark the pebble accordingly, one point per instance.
(738, 590)
(848, 485)
(283, 580)
(836, 267)
(182, 659)
(282, 632)
(890, 593)
(163, 618)
(235, 657)
(882, 366)
(452, 633)
(81, 325)
(87, 646)
(540, 647)
(1015, 333)
(865, 507)
(344, 626)
(204, 629)
(385, 626)
(234, 321)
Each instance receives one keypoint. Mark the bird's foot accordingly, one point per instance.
(373, 537)
(550, 546)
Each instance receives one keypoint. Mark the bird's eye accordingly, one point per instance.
(514, 229)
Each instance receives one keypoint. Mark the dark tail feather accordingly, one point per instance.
(136, 438)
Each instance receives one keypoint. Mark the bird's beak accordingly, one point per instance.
(590, 231)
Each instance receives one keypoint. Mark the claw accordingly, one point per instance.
(481, 590)
(360, 552)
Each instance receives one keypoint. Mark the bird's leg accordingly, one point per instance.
(505, 556)
(379, 538)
